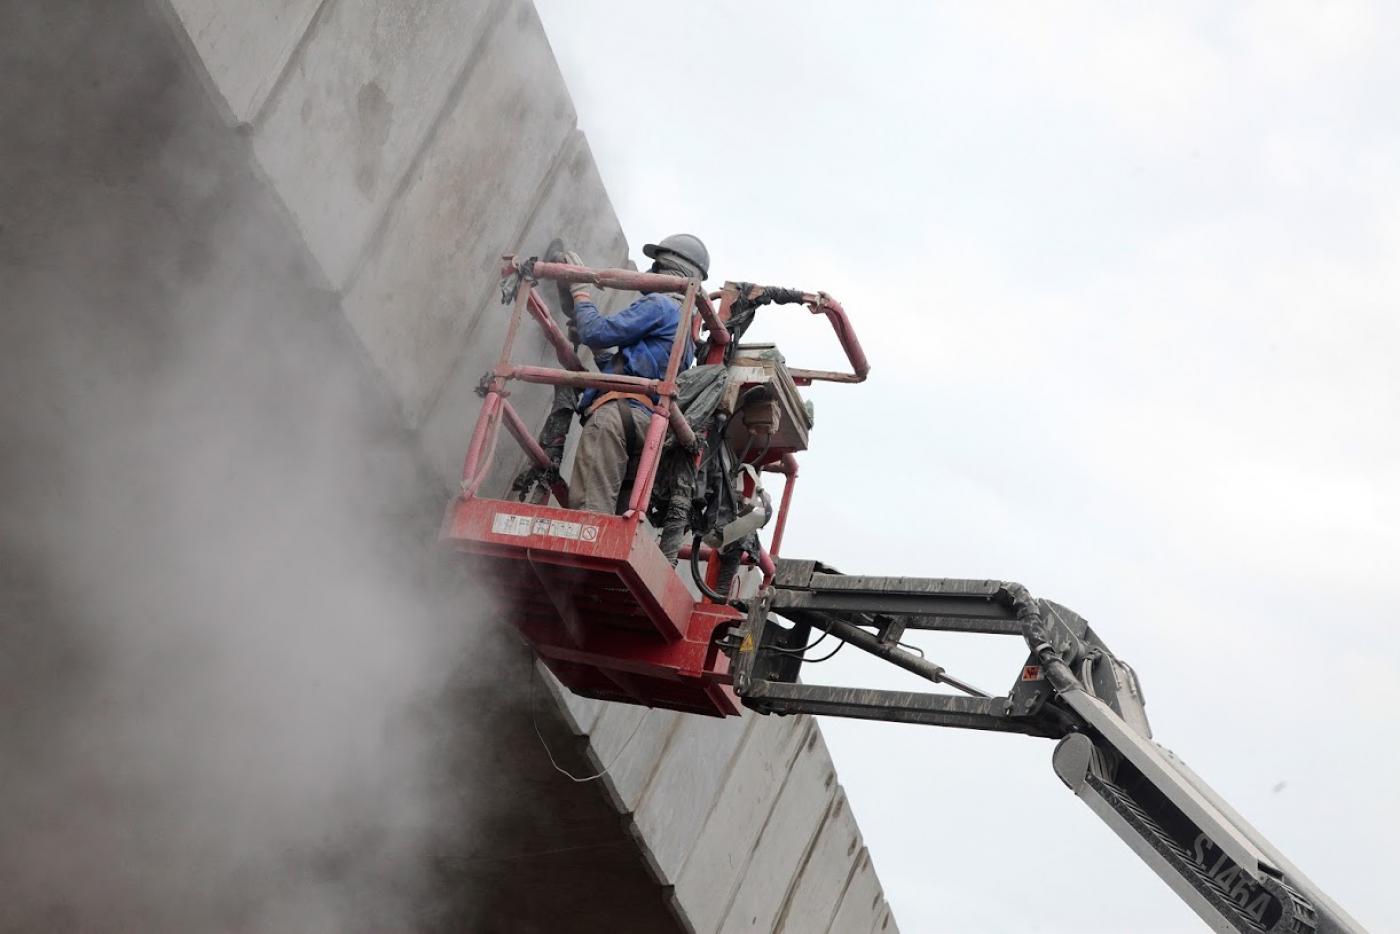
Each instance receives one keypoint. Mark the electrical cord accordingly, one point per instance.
(827, 657)
(826, 631)
(767, 445)
(777, 650)
(743, 454)
(534, 721)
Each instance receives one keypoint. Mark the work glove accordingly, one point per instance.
(575, 291)
(579, 290)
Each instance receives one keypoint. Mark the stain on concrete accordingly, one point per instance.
(374, 113)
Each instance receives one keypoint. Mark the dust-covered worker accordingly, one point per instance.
(635, 341)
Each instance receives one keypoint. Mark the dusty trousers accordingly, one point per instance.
(601, 462)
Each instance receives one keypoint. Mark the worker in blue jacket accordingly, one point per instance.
(635, 341)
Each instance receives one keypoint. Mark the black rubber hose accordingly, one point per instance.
(1040, 640)
(700, 578)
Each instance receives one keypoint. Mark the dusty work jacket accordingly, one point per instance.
(642, 333)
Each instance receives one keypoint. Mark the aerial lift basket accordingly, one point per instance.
(593, 594)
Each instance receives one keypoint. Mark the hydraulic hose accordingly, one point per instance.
(1039, 639)
(700, 578)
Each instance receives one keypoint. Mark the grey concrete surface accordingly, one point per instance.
(824, 874)
(387, 155)
(722, 853)
(352, 112)
(472, 189)
(683, 789)
(247, 45)
(215, 531)
(574, 206)
(861, 901)
(779, 857)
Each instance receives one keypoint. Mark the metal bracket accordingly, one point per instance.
(510, 285)
(873, 614)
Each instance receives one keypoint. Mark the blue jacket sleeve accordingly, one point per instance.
(622, 328)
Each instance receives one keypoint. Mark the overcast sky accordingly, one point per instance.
(1128, 281)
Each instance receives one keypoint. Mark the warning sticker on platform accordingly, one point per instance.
(561, 529)
(503, 523)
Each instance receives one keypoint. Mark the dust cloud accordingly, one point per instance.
(230, 654)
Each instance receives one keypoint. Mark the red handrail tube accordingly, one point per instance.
(788, 467)
(625, 279)
(608, 382)
(764, 561)
(483, 445)
(664, 414)
(685, 435)
(563, 350)
(661, 415)
(823, 304)
(719, 334)
(521, 432)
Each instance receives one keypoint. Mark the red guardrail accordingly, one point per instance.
(665, 415)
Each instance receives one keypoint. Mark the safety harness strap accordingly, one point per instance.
(607, 397)
(634, 455)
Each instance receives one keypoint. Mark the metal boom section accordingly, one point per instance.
(1071, 688)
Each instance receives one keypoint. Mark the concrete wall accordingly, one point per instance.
(411, 144)
(240, 687)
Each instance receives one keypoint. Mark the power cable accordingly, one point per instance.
(534, 721)
(817, 661)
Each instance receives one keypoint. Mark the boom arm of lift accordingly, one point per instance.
(1072, 688)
